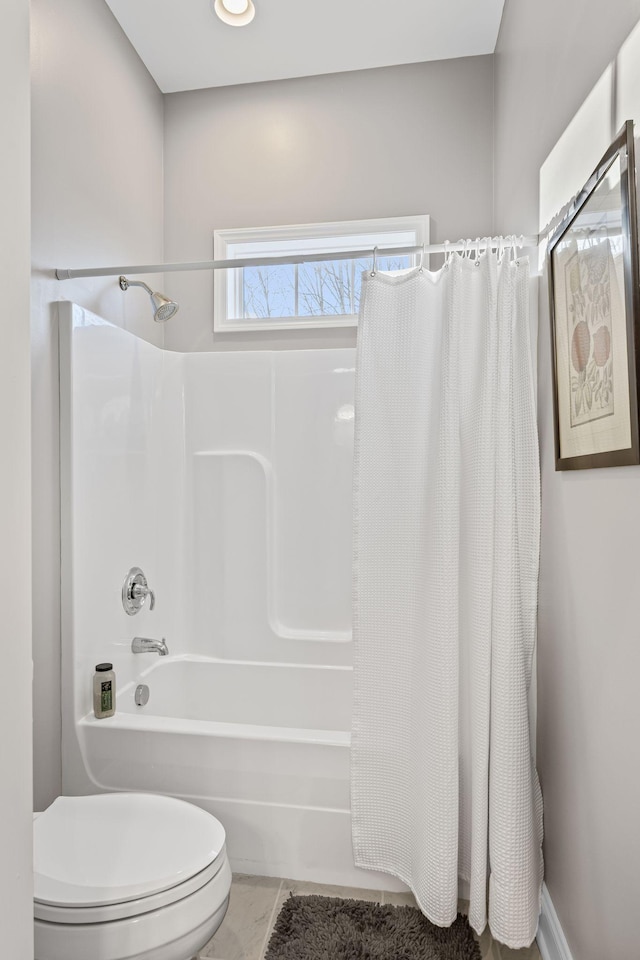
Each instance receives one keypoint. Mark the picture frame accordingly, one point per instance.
(594, 300)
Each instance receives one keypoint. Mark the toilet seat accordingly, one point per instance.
(129, 908)
(174, 932)
(127, 877)
(111, 856)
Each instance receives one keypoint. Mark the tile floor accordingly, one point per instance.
(256, 901)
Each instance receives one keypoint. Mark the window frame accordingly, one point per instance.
(222, 239)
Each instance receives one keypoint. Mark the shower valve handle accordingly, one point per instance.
(140, 592)
(135, 591)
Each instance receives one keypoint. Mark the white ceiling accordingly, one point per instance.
(185, 46)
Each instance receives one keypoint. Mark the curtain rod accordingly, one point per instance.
(72, 274)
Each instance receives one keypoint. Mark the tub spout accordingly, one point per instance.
(144, 645)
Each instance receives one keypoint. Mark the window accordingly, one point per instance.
(317, 294)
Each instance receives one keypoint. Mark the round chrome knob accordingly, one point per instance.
(135, 591)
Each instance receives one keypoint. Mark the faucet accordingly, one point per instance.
(144, 645)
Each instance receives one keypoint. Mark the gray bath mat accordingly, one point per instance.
(325, 928)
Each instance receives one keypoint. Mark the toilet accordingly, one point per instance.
(127, 876)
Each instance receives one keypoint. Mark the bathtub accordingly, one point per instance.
(262, 746)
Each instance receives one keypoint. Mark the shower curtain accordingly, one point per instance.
(446, 544)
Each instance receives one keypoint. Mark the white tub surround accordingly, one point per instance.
(227, 478)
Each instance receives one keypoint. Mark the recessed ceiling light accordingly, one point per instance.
(237, 13)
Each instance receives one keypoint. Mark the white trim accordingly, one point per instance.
(330, 228)
(287, 235)
(313, 323)
(551, 940)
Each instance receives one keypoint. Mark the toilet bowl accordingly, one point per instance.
(127, 876)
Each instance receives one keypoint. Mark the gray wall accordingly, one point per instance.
(373, 143)
(16, 886)
(548, 58)
(97, 128)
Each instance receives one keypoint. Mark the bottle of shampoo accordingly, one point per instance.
(104, 691)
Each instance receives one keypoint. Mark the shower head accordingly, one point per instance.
(163, 308)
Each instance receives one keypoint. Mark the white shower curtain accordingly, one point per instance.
(446, 536)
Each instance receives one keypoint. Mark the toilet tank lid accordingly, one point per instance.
(116, 847)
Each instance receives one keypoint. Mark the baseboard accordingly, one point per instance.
(550, 937)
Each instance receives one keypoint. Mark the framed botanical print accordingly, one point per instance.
(595, 315)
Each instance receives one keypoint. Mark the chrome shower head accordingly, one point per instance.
(163, 308)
